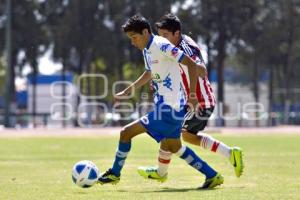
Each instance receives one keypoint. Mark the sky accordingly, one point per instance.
(46, 65)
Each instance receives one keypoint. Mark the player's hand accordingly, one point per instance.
(122, 95)
(201, 70)
(192, 103)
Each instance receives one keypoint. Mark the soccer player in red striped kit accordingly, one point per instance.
(169, 26)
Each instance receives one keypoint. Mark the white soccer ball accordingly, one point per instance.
(85, 173)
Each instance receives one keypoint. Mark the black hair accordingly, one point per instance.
(169, 22)
(136, 23)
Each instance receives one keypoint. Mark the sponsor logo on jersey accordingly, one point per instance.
(174, 52)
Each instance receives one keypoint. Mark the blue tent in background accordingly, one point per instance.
(48, 79)
(22, 96)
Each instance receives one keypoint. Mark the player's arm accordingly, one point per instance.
(194, 71)
(202, 72)
(202, 69)
(142, 80)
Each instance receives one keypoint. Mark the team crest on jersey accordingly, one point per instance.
(164, 47)
(174, 52)
(145, 119)
(156, 78)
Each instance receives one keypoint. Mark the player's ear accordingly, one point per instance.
(177, 33)
(145, 32)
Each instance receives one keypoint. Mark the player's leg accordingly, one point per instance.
(159, 173)
(213, 178)
(127, 133)
(191, 134)
(164, 159)
(207, 142)
(234, 154)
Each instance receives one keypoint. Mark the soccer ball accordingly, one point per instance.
(85, 173)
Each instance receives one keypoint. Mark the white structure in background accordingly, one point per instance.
(240, 105)
(49, 98)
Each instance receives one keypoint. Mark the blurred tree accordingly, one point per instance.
(2, 46)
(219, 23)
(290, 22)
(2, 74)
(248, 53)
(271, 43)
(28, 36)
(74, 31)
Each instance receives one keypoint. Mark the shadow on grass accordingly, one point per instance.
(167, 189)
(81, 193)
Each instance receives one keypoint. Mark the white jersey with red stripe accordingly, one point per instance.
(204, 91)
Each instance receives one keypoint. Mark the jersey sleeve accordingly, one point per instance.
(191, 48)
(199, 59)
(146, 61)
(171, 52)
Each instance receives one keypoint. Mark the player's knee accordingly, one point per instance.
(190, 138)
(186, 136)
(124, 135)
(174, 149)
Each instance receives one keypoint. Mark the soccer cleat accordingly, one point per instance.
(151, 173)
(236, 159)
(108, 177)
(213, 182)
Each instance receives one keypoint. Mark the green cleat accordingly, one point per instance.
(236, 159)
(151, 173)
(213, 182)
(108, 177)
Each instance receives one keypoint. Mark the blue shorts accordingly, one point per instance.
(163, 122)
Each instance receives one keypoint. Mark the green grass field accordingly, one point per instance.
(40, 169)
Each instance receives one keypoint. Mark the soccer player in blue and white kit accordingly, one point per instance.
(165, 121)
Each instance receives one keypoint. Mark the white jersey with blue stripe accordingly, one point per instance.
(162, 58)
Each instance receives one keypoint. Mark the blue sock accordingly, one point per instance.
(195, 161)
(120, 158)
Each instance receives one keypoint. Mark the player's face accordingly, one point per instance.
(172, 37)
(138, 40)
